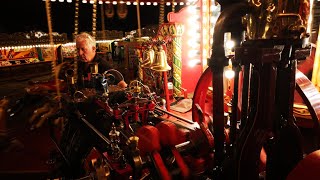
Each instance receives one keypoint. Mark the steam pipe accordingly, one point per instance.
(231, 15)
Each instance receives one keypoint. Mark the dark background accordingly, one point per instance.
(30, 15)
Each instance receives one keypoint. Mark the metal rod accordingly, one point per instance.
(174, 115)
(59, 149)
(166, 91)
(94, 129)
(102, 22)
(138, 18)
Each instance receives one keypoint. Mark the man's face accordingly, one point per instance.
(85, 52)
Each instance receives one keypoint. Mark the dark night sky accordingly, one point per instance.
(29, 15)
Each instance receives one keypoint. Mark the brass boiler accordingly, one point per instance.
(271, 19)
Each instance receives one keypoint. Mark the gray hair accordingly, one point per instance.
(86, 37)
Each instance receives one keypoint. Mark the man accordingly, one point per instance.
(78, 139)
(86, 50)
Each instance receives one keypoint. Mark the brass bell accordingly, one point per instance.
(160, 61)
(148, 57)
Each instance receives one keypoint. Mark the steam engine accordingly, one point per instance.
(142, 140)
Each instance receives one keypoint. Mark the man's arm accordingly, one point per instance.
(119, 80)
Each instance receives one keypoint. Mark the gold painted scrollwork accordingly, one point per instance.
(277, 19)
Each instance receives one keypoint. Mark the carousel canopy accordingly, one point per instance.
(133, 2)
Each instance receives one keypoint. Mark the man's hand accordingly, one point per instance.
(122, 84)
